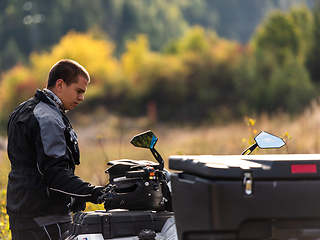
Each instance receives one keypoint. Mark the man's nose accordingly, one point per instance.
(81, 97)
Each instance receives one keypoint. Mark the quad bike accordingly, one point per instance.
(226, 197)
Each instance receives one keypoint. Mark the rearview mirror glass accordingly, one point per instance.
(267, 140)
(145, 140)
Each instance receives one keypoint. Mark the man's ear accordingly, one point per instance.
(59, 84)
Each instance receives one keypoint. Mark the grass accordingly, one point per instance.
(104, 137)
(109, 138)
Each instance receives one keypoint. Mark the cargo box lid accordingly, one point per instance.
(271, 166)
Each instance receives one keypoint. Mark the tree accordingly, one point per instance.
(290, 88)
(279, 35)
(313, 56)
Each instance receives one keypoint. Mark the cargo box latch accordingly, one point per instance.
(247, 181)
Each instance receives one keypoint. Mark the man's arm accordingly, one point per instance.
(54, 159)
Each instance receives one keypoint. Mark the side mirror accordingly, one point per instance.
(264, 140)
(145, 140)
(148, 140)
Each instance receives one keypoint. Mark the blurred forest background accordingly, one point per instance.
(177, 61)
(191, 70)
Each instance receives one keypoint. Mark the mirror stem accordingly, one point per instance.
(158, 157)
(249, 149)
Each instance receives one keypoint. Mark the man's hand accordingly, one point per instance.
(104, 194)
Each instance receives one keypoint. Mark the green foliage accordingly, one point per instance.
(303, 21)
(194, 41)
(151, 77)
(313, 60)
(264, 85)
(197, 72)
(250, 80)
(273, 76)
(278, 35)
(161, 20)
(290, 87)
(286, 34)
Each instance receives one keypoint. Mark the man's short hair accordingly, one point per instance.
(68, 70)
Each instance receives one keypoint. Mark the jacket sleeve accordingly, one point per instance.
(54, 158)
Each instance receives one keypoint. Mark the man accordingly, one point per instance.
(43, 151)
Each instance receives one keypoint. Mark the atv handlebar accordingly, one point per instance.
(136, 174)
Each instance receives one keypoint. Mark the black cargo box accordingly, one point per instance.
(246, 196)
(117, 223)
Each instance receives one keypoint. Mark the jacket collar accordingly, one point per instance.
(54, 98)
(43, 96)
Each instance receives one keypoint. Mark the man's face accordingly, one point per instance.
(72, 95)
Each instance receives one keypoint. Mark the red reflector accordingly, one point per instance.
(303, 168)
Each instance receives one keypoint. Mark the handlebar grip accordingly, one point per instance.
(136, 174)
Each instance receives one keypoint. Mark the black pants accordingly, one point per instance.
(49, 232)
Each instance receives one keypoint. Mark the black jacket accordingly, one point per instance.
(43, 150)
